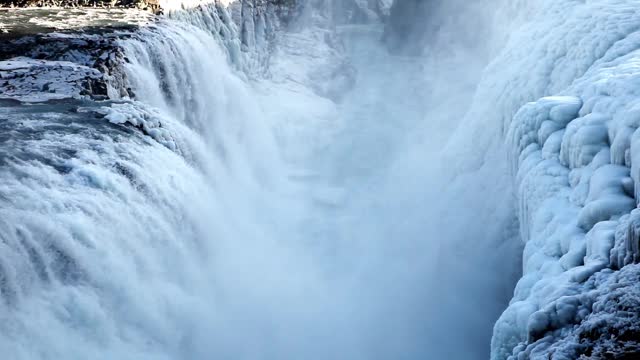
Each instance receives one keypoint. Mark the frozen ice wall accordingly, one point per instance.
(559, 89)
(563, 88)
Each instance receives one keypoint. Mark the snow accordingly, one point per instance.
(31, 80)
(149, 120)
(593, 321)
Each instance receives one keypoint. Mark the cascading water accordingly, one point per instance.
(121, 243)
(169, 226)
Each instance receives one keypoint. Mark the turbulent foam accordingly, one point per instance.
(113, 214)
(248, 259)
(73, 179)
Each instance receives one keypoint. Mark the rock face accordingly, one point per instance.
(35, 80)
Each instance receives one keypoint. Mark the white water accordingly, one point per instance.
(199, 241)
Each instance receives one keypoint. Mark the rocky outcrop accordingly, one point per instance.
(55, 66)
(46, 55)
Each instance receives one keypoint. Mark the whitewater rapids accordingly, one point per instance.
(248, 218)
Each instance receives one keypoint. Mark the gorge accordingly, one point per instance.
(319, 179)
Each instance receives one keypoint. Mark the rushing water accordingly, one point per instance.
(195, 239)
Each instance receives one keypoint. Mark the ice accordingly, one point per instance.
(592, 321)
(32, 80)
(149, 120)
(574, 153)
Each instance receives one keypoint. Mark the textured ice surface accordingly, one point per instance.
(32, 80)
(574, 154)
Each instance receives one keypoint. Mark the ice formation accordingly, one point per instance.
(32, 80)
(574, 159)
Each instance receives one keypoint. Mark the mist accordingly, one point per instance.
(431, 217)
(395, 239)
(362, 212)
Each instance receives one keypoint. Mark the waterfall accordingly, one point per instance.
(140, 228)
(261, 193)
